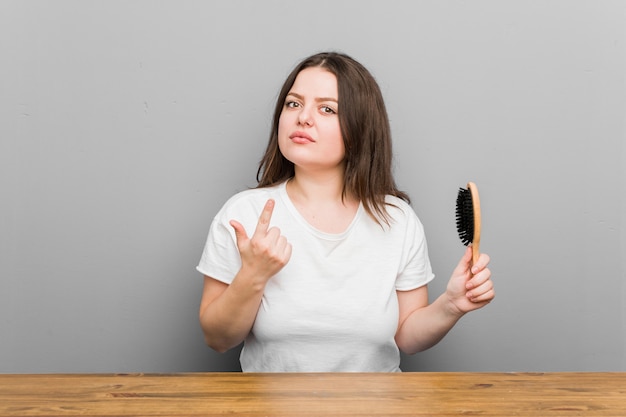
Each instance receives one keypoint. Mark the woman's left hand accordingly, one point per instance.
(470, 286)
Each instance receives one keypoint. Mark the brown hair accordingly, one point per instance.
(365, 129)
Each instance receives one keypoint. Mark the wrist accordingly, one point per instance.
(451, 308)
(250, 279)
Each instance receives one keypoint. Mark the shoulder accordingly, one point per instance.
(402, 216)
(398, 209)
(397, 202)
(252, 195)
(248, 202)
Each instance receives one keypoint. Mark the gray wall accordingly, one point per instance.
(124, 126)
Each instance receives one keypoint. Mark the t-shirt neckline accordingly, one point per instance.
(324, 235)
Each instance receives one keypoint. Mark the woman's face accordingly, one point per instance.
(309, 134)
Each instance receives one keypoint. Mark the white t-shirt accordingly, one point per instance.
(333, 307)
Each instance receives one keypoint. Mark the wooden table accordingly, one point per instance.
(342, 394)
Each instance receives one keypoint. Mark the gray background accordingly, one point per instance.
(124, 126)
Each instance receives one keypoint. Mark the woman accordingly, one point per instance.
(324, 266)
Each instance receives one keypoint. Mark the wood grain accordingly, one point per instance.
(341, 394)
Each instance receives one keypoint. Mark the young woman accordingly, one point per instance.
(323, 267)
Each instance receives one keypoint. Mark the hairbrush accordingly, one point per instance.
(468, 218)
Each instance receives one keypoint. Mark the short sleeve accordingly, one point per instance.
(415, 269)
(220, 258)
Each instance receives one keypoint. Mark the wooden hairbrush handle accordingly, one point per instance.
(476, 207)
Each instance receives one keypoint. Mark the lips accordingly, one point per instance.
(301, 137)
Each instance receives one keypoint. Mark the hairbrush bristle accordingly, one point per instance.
(465, 216)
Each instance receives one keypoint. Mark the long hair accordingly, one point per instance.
(365, 130)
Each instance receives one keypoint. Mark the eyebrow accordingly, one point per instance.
(318, 99)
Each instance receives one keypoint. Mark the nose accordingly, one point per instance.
(304, 117)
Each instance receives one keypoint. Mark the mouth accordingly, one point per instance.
(301, 137)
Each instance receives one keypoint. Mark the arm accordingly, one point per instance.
(423, 325)
(227, 312)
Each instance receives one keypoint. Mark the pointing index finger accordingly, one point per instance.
(265, 217)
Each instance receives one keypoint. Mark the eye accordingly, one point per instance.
(327, 110)
(290, 104)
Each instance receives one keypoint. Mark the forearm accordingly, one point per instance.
(227, 319)
(426, 326)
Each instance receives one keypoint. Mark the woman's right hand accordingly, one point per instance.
(267, 251)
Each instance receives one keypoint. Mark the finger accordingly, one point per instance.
(479, 279)
(481, 263)
(287, 251)
(477, 296)
(481, 286)
(282, 246)
(240, 232)
(272, 235)
(265, 217)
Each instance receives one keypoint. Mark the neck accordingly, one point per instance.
(319, 199)
(319, 187)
